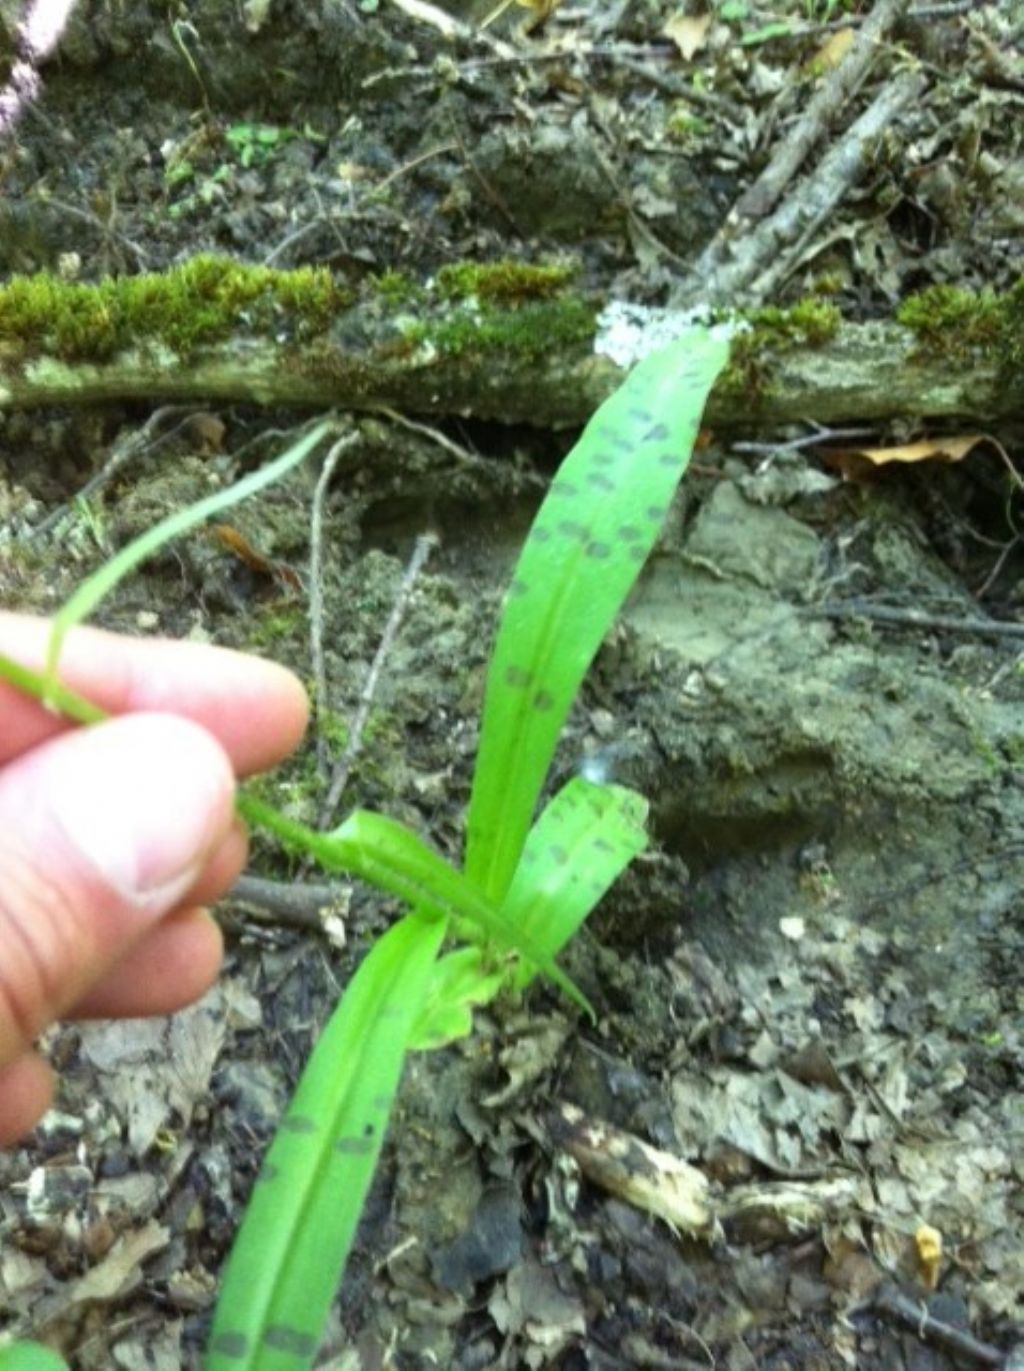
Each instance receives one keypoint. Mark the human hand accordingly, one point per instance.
(113, 837)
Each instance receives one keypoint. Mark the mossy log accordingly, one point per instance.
(866, 372)
(509, 345)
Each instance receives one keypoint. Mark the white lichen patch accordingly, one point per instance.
(626, 333)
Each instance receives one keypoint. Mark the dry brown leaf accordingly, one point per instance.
(207, 432)
(240, 545)
(855, 464)
(120, 1270)
(688, 32)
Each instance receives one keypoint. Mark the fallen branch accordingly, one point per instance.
(823, 108)
(866, 372)
(748, 260)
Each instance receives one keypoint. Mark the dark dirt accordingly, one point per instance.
(811, 987)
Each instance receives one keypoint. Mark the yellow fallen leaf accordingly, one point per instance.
(832, 51)
(541, 9)
(928, 1242)
(688, 32)
(854, 463)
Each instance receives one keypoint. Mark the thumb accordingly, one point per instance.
(102, 832)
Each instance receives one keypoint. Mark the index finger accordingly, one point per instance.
(257, 709)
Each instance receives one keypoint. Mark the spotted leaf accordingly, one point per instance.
(591, 536)
(583, 841)
(291, 1250)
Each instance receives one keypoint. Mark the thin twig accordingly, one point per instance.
(413, 162)
(496, 199)
(316, 597)
(914, 618)
(1000, 562)
(914, 1315)
(137, 444)
(626, 201)
(821, 435)
(297, 904)
(635, 57)
(1015, 475)
(425, 544)
(289, 241)
(435, 436)
(645, 69)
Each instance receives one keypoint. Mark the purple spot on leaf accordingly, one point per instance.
(230, 1345)
(281, 1338)
(297, 1123)
(569, 528)
(354, 1147)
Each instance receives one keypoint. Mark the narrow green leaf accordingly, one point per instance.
(290, 1253)
(61, 699)
(590, 538)
(30, 1356)
(393, 858)
(582, 842)
(105, 578)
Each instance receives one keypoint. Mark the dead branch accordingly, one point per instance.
(748, 262)
(823, 109)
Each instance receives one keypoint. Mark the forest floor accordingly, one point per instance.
(812, 987)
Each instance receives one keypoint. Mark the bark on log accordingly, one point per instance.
(871, 371)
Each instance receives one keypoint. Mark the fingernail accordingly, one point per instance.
(143, 799)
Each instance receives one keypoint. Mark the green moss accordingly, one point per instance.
(684, 125)
(502, 283)
(334, 730)
(773, 332)
(471, 307)
(532, 330)
(959, 324)
(509, 307)
(280, 622)
(198, 303)
(396, 288)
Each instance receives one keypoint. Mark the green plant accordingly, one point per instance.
(526, 888)
(29, 1356)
